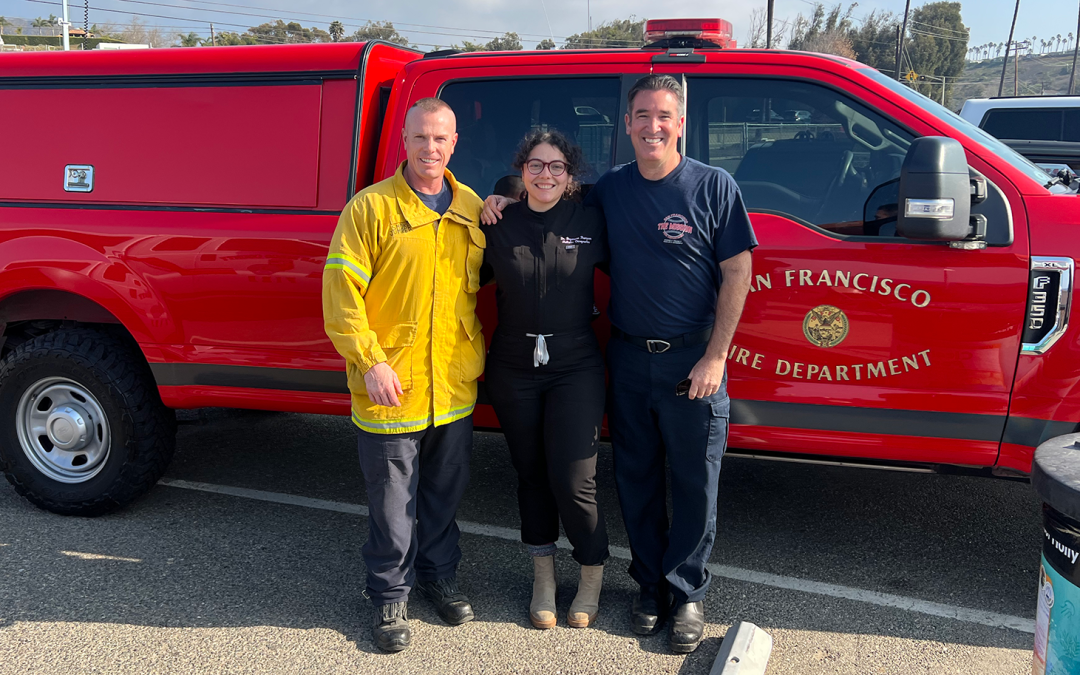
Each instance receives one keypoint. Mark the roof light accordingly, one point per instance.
(717, 31)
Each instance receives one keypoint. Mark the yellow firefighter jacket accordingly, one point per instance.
(398, 289)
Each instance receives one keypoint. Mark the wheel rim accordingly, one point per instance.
(63, 430)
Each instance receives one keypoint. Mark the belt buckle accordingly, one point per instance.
(657, 346)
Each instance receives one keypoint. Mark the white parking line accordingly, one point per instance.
(967, 615)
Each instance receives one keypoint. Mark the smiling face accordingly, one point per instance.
(544, 189)
(655, 126)
(429, 139)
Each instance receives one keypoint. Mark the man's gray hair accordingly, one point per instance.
(656, 82)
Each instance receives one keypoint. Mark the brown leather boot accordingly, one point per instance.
(586, 605)
(542, 608)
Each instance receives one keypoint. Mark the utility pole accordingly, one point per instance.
(900, 41)
(213, 40)
(1016, 69)
(1005, 63)
(1076, 48)
(588, 10)
(768, 26)
(897, 54)
(943, 78)
(66, 24)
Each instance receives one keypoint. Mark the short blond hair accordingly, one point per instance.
(431, 105)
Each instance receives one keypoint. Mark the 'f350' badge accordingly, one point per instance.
(825, 326)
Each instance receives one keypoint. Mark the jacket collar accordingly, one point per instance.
(417, 213)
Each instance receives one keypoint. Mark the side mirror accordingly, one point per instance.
(935, 191)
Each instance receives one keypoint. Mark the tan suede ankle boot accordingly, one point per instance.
(542, 609)
(586, 604)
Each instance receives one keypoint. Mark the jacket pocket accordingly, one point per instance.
(474, 259)
(396, 341)
(469, 352)
(566, 261)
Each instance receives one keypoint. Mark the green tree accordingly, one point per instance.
(280, 32)
(613, 34)
(509, 42)
(3, 22)
(825, 31)
(232, 40)
(337, 31)
(874, 40)
(939, 50)
(378, 30)
(189, 40)
(546, 44)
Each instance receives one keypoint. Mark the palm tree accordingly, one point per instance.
(337, 31)
(1058, 39)
(3, 22)
(39, 23)
(189, 40)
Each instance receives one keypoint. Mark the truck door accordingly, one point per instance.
(855, 341)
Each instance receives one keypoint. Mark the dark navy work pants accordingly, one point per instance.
(414, 484)
(648, 423)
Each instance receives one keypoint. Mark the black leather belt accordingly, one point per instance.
(657, 346)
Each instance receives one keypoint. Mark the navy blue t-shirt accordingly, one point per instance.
(667, 238)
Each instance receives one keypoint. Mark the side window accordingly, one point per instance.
(1038, 124)
(494, 115)
(801, 150)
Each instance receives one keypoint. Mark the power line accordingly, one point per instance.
(202, 21)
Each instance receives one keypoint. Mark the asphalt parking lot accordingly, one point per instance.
(246, 559)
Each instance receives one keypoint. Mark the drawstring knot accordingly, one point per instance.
(540, 353)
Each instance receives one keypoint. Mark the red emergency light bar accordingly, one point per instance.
(716, 31)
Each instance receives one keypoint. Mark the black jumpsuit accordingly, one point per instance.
(551, 413)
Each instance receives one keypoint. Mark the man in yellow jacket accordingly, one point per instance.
(399, 300)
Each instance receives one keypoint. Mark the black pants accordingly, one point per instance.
(551, 417)
(414, 484)
(649, 424)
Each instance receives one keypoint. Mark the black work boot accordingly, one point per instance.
(650, 609)
(451, 603)
(687, 625)
(391, 630)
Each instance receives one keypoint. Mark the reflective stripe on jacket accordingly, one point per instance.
(397, 289)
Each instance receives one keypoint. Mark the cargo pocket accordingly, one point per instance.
(719, 411)
(469, 353)
(474, 259)
(385, 461)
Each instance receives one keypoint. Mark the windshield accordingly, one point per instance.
(992, 144)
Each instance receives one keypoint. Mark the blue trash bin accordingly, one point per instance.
(1056, 478)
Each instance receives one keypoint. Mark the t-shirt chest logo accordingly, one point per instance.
(674, 227)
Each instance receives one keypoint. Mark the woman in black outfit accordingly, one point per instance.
(545, 374)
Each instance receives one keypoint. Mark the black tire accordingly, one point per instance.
(141, 430)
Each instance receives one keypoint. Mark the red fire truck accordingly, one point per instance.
(166, 251)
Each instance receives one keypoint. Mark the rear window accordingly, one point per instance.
(494, 115)
(1033, 124)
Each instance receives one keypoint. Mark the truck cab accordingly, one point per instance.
(873, 333)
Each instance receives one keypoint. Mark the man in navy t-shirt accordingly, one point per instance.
(680, 242)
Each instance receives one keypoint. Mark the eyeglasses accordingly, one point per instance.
(683, 387)
(536, 167)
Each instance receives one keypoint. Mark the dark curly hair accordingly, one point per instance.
(575, 158)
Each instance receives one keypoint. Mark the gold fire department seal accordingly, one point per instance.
(825, 326)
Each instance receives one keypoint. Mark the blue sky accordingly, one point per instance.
(442, 22)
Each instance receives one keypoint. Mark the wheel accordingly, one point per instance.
(82, 428)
